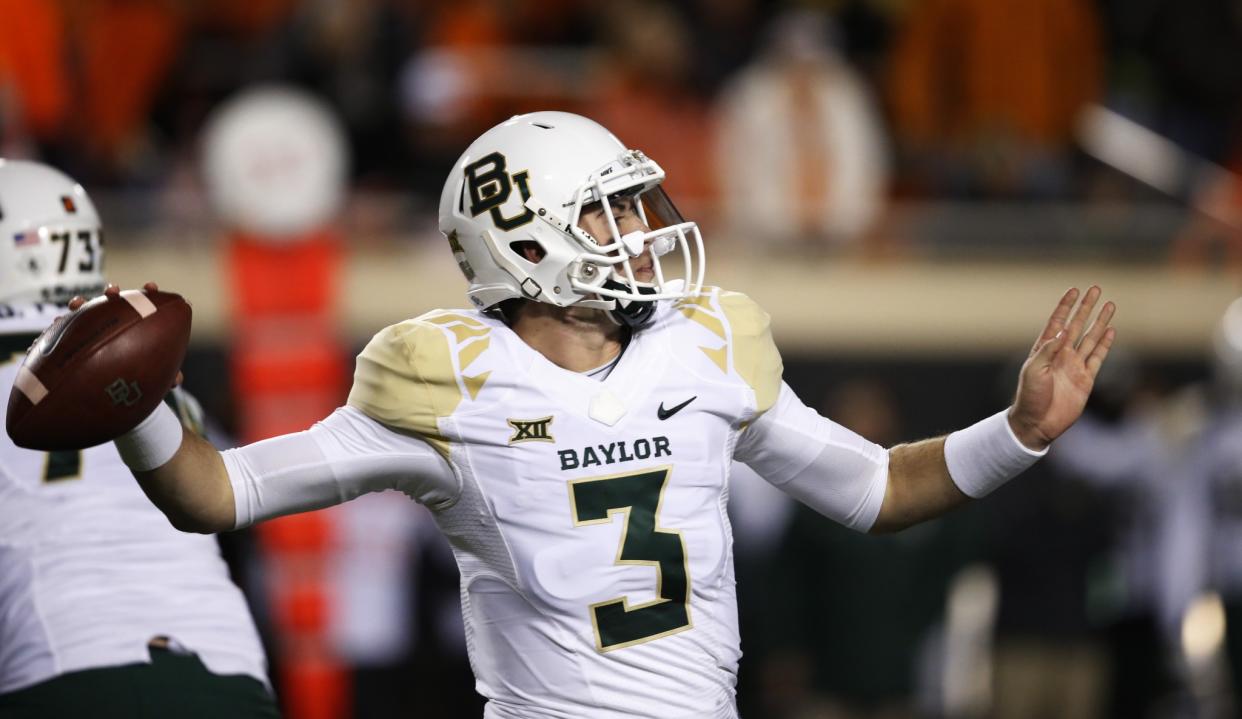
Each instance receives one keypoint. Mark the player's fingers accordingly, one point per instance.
(151, 287)
(112, 290)
(1048, 349)
(76, 302)
(1057, 321)
(1079, 319)
(180, 378)
(1096, 358)
(1092, 338)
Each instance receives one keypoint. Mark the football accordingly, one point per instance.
(98, 371)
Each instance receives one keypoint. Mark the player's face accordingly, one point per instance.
(625, 213)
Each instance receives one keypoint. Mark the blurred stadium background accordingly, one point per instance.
(906, 185)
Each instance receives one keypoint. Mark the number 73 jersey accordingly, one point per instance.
(589, 519)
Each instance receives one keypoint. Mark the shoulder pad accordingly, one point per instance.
(745, 331)
(410, 375)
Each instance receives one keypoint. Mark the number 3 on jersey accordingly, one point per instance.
(643, 542)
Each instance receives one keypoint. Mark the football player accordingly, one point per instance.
(105, 609)
(572, 433)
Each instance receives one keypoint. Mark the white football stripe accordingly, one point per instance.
(30, 385)
(139, 302)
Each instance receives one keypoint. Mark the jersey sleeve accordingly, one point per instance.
(405, 378)
(746, 348)
(344, 456)
(817, 461)
(755, 356)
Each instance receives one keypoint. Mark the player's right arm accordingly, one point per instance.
(192, 489)
(385, 438)
(201, 489)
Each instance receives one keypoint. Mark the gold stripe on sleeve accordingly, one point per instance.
(755, 356)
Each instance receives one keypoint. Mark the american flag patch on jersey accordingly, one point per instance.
(24, 239)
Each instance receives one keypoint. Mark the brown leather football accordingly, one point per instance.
(98, 371)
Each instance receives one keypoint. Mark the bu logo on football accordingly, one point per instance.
(124, 393)
(530, 430)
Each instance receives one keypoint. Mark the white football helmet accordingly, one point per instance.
(51, 244)
(527, 180)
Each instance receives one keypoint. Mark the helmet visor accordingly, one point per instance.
(657, 209)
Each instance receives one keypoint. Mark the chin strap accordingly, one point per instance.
(631, 313)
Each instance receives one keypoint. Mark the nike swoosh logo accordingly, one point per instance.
(666, 413)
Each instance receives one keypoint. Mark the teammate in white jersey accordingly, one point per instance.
(573, 433)
(105, 609)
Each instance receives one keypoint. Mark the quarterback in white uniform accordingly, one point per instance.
(572, 434)
(93, 580)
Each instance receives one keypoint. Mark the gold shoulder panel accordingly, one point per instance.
(407, 378)
(755, 356)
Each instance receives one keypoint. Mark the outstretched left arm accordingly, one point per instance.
(1053, 387)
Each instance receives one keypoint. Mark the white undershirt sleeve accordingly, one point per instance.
(817, 461)
(345, 455)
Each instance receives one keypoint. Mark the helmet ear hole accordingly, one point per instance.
(529, 250)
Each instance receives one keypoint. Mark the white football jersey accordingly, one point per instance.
(590, 526)
(90, 570)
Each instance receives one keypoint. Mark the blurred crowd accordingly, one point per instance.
(761, 111)
(1107, 583)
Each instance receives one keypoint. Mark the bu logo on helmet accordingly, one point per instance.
(490, 186)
